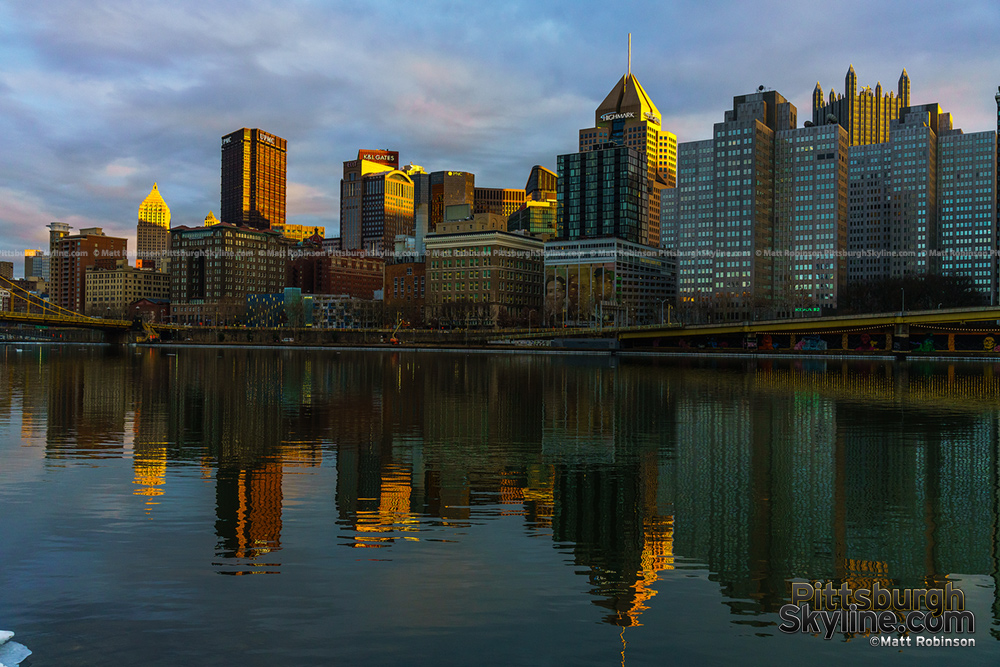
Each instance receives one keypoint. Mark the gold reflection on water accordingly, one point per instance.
(150, 468)
(865, 574)
(772, 471)
(657, 556)
(393, 513)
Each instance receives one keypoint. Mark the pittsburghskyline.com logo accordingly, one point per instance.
(890, 616)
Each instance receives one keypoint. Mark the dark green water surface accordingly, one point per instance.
(314, 507)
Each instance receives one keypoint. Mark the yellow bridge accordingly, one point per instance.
(898, 327)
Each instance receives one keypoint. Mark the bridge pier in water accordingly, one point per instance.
(901, 336)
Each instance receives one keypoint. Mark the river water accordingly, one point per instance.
(311, 507)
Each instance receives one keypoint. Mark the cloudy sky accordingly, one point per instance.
(100, 99)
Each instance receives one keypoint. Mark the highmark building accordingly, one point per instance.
(626, 118)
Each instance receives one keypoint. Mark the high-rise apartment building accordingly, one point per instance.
(57, 231)
(7, 270)
(866, 114)
(627, 117)
(253, 179)
(72, 256)
(153, 232)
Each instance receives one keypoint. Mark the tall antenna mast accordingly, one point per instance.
(630, 54)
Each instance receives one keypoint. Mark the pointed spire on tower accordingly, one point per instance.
(904, 88)
(851, 83)
(630, 54)
(817, 98)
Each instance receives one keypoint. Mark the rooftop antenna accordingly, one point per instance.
(630, 54)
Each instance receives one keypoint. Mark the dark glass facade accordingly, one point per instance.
(602, 192)
(253, 179)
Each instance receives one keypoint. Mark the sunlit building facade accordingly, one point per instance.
(502, 201)
(297, 232)
(628, 117)
(36, 264)
(254, 179)
(376, 201)
(866, 114)
(72, 256)
(153, 232)
(539, 216)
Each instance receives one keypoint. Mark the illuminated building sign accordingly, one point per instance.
(265, 138)
(381, 157)
(652, 117)
(617, 116)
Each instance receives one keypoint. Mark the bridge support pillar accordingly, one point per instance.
(116, 336)
(901, 337)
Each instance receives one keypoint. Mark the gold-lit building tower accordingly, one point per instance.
(253, 179)
(627, 117)
(152, 232)
(376, 201)
(866, 114)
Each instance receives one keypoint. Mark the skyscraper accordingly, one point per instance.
(925, 201)
(865, 114)
(810, 220)
(152, 232)
(376, 201)
(627, 117)
(253, 179)
(720, 220)
(602, 193)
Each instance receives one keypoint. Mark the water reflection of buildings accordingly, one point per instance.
(760, 471)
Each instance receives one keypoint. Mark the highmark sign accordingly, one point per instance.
(617, 116)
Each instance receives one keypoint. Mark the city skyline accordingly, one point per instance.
(102, 102)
